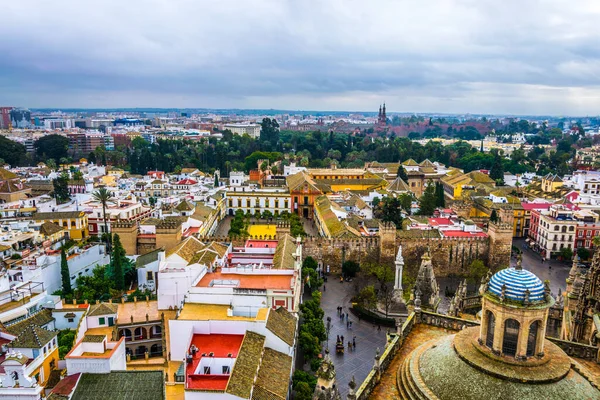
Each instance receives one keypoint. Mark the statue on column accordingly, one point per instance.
(397, 306)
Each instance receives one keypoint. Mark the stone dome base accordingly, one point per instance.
(435, 370)
(551, 367)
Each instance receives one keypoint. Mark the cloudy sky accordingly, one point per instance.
(456, 56)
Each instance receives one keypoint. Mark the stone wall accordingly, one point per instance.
(449, 255)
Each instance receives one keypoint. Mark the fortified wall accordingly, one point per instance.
(449, 255)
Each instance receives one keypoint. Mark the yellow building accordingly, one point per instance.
(506, 206)
(456, 183)
(108, 180)
(551, 182)
(37, 345)
(353, 179)
(74, 222)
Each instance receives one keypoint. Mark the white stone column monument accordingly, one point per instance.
(397, 293)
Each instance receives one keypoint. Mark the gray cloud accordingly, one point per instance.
(537, 56)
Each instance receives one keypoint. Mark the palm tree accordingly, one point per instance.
(103, 196)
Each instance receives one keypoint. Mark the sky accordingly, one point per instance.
(520, 57)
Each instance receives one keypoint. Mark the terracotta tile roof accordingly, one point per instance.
(273, 380)
(187, 249)
(246, 366)
(40, 319)
(294, 182)
(102, 309)
(50, 228)
(6, 174)
(480, 177)
(32, 337)
(283, 324)
(184, 205)
(147, 258)
(121, 385)
(410, 162)
(283, 257)
(398, 185)
(41, 216)
(65, 386)
(202, 212)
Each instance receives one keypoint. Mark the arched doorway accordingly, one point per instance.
(156, 332)
(532, 338)
(156, 350)
(141, 351)
(125, 333)
(491, 326)
(511, 337)
(140, 333)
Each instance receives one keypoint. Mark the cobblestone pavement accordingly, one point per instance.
(387, 389)
(357, 363)
(223, 228)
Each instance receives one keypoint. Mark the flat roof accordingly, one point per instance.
(209, 312)
(249, 281)
(221, 346)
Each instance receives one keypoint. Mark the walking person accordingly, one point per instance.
(354, 341)
(347, 324)
(342, 338)
(349, 346)
(378, 328)
(324, 288)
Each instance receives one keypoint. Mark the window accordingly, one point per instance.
(532, 338)
(206, 370)
(489, 336)
(70, 319)
(101, 321)
(226, 370)
(511, 336)
(149, 276)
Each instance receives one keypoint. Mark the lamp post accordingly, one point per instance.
(327, 329)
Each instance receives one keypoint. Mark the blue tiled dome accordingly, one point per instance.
(517, 281)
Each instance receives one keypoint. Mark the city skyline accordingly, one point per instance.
(440, 57)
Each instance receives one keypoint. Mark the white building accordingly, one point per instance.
(256, 201)
(237, 178)
(96, 354)
(292, 169)
(252, 130)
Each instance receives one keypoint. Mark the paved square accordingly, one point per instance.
(357, 363)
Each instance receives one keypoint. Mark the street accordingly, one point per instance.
(552, 270)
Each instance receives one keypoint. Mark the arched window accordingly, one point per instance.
(511, 337)
(532, 338)
(491, 325)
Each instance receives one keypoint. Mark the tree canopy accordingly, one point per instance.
(51, 146)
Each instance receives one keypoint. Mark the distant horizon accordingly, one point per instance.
(267, 111)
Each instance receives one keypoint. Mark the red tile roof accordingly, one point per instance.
(66, 385)
(536, 206)
(463, 234)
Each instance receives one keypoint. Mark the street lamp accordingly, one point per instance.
(327, 329)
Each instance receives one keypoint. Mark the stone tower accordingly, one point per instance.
(168, 234)
(500, 244)
(127, 231)
(387, 241)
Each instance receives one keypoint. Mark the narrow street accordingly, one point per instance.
(552, 270)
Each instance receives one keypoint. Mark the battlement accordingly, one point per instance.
(387, 227)
(123, 224)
